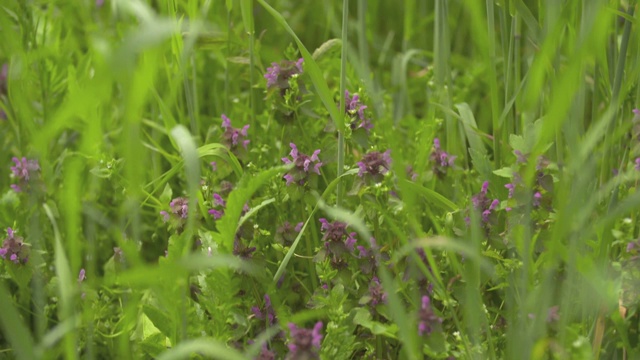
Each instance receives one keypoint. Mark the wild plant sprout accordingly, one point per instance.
(236, 139)
(304, 344)
(25, 171)
(441, 160)
(338, 242)
(303, 166)
(356, 109)
(278, 74)
(14, 249)
(374, 165)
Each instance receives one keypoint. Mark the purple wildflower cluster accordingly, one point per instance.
(374, 165)
(24, 171)
(287, 233)
(303, 166)
(304, 343)
(337, 241)
(278, 74)
(356, 109)
(441, 159)
(267, 313)
(376, 292)
(266, 354)
(179, 210)
(14, 249)
(219, 205)
(232, 137)
(428, 319)
(484, 204)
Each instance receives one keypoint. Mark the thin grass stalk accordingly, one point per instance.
(343, 87)
(493, 85)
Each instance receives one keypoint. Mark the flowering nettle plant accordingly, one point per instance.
(337, 241)
(179, 210)
(287, 233)
(304, 343)
(232, 137)
(375, 165)
(14, 249)
(24, 171)
(278, 74)
(356, 109)
(304, 165)
(428, 319)
(441, 159)
(483, 204)
(266, 313)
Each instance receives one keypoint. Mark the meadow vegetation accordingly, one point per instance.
(279, 179)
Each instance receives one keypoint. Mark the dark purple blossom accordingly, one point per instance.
(287, 233)
(24, 171)
(233, 136)
(441, 159)
(265, 354)
(219, 205)
(179, 210)
(483, 204)
(304, 343)
(552, 314)
(369, 258)
(376, 292)
(81, 276)
(266, 313)
(278, 74)
(520, 157)
(427, 317)
(375, 164)
(356, 109)
(242, 250)
(337, 241)
(14, 249)
(303, 165)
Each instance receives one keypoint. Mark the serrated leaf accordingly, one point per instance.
(505, 172)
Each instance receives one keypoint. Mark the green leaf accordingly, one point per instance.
(204, 346)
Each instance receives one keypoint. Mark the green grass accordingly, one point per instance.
(121, 106)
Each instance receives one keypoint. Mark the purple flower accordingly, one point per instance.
(278, 74)
(552, 314)
(242, 250)
(304, 343)
(483, 204)
(637, 167)
(636, 112)
(81, 276)
(14, 248)
(266, 313)
(303, 165)
(369, 258)
(24, 170)
(355, 108)
(337, 241)
(118, 255)
(179, 210)
(427, 317)
(287, 233)
(375, 164)
(214, 166)
(265, 354)
(99, 3)
(520, 157)
(376, 291)
(441, 159)
(233, 136)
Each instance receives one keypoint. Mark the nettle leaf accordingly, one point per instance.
(362, 317)
(159, 319)
(505, 172)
